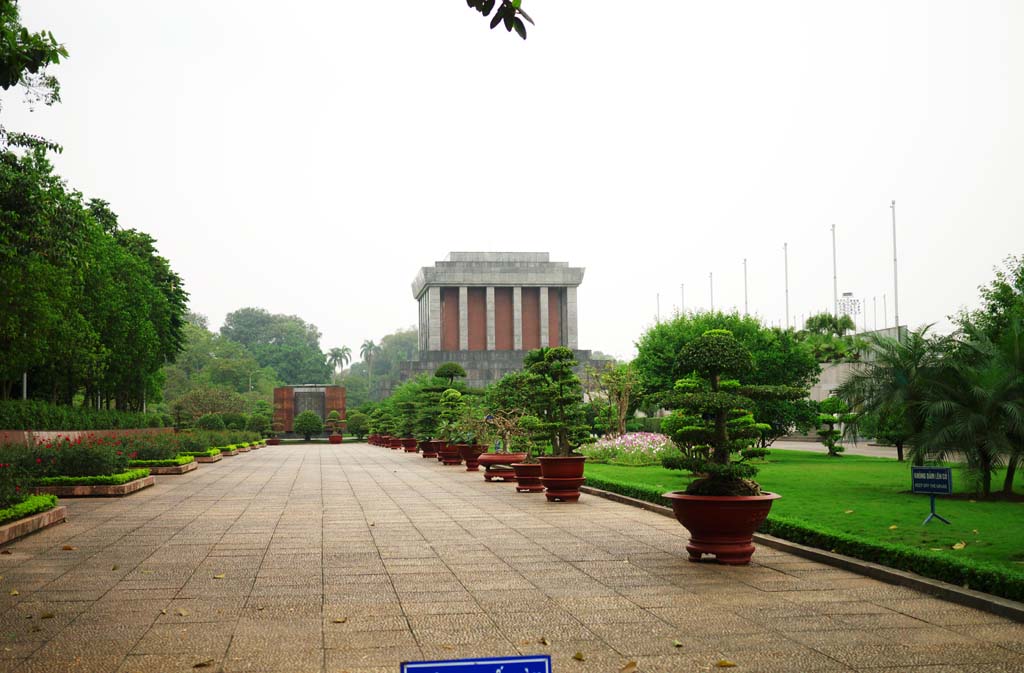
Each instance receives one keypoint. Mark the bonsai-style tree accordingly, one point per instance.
(713, 422)
(833, 411)
(450, 371)
(428, 411)
(451, 405)
(358, 424)
(557, 398)
(387, 424)
(334, 422)
(258, 423)
(210, 422)
(307, 424)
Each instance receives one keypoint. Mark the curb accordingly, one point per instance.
(944, 590)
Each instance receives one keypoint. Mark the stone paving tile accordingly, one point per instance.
(357, 558)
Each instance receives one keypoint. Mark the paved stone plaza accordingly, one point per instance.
(355, 558)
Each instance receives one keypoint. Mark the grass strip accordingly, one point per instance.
(95, 480)
(33, 504)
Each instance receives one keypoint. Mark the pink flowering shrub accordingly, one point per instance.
(632, 448)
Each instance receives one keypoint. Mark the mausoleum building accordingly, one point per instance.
(485, 310)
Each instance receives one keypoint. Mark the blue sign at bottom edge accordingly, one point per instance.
(534, 663)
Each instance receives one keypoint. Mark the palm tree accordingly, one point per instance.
(976, 407)
(337, 358)
(889, 384)
(367, 351)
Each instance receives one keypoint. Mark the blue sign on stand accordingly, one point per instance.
(534, 663)
(932, 481)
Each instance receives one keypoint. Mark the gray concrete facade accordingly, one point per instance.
(492, 271)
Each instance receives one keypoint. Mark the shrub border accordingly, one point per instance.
(33, 504)
(972, 583)
(168, 462)
(97, 480)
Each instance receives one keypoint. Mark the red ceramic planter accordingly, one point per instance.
(335, 439)
(562, 477)
(427, 449)
(273, 441)
(721, 525)
(409, 444)
(395, 444)
(499, 465)
(471, 454)
(528, 478)
(451, 454)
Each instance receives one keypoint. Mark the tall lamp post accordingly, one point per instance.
(895, 278)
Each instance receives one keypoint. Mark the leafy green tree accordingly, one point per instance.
(367, 351)
(510, 14)
(358, 424)
(451, 405)
(209, 400)
(285, 343)
(450, 371)
(889, 387)
(307, 424)
(1002, 301)
(714, 419)
(24, 59)
(210, 422)
(828, 324)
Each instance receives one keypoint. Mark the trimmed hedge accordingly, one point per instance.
(169, 462)
(967, 573)
(34, 504)
(970, 574)
(36, 415)
(209, 453)
(97, 480)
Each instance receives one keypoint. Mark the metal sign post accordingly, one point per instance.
(932, 481)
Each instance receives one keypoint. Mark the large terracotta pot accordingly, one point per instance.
(372, 439)
(528, 478)
(395, 444)
(409, 444)
(428, 448)
(721, 525)
(499, 465)
(562, 477)
(471, 454)
(451, 454)
(334, 439)
(273, 441)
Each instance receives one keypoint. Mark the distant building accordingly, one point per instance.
(486, 310)
(291, 401)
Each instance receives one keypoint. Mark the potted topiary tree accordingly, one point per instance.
(451, 405)
(335, 424)
(723, 506)
(557, 398)
(307, 424)
(276, 428)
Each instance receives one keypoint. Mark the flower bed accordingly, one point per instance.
(115, 479)
(31, 514)
(632, 448)
(169, 462)
(33, 504)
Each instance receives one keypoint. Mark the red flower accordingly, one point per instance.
(119, 453)
(38, 461)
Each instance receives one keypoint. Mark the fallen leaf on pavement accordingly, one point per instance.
(115, 567)
(68, 547)
(544, 641)
(579, 657)
(14, 592)
(182, 612)
(725, 663)
(47, 615)
(163, 612)
(960, 545)
(204, 664)
(341, 620)
(219, 577)
(630, 667)
(676, 643)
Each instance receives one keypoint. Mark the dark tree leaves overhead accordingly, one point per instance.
(509, 14)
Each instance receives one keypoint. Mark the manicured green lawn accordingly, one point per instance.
(869, 498)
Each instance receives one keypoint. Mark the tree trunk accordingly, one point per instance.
(1011, 473)
(899, 450)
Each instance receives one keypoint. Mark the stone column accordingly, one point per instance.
(571, 334)
(517, 318)
(463, 318)
(490, 318)
(543, 317)
(434, 318)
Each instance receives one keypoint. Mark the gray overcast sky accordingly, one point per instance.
(309, 157)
